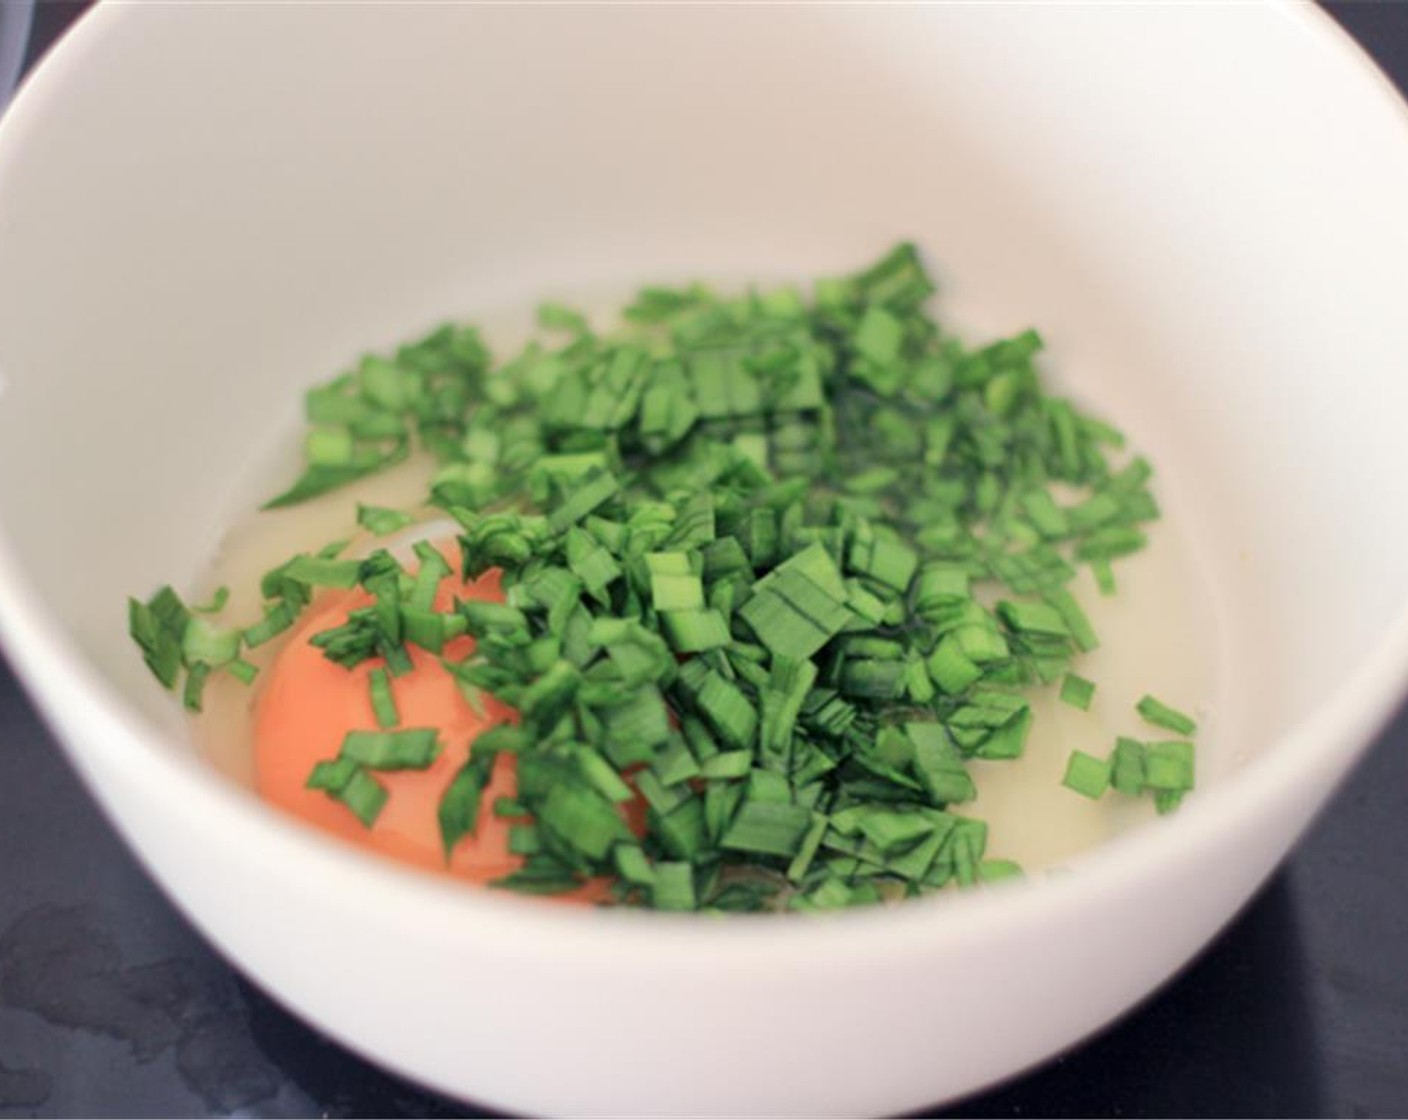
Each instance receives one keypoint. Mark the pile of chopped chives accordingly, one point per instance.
(777, 567)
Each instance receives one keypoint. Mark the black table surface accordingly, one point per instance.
(110, 1004)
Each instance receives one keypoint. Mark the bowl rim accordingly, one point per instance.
(57, 674)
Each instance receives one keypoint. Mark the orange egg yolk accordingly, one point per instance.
(308, 705)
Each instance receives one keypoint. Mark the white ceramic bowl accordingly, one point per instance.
(203, 207)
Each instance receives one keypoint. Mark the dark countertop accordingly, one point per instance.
(110, 1004)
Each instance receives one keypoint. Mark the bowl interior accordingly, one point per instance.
(185, 246)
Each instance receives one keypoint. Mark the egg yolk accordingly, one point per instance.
(310, 703)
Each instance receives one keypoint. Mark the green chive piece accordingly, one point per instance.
(275, 621)
(1168, 766)
(413, 749)
(1127, 775)
(158, 627)
(524, 840)
(1167, 800)
(582, 819)
(996, 870)
(939, 765)
(591, 563)
(1077, 624)
(633, 866)
(1159, 714)
(1087, 775)
(204, 642)
(1104, 576)
(723, 706)
(590, 494)
(557, 317)
(793, 614)
(324, 573)
(383, 703)
(885, 560)
(1077, 691)
(674, 886)
(1038, 618)
(458, 812)
(768, 828)
(346, 781)
(380, 521)
(217, 602)
(694, 631)
(727, 764)
(807, 851)
(195, 686)
(673, 584)
(242, 670)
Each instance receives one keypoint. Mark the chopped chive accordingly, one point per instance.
(727, 764)
(1104, 576)
(633, 866)
(1077, 624)
(205, 642)
(676, 764)
(195, 686)
(768, 828)
(1111, 542)
(951, 668)
(1087, 775)
(724, 707)
(413, 749)
(217, 602)
(673, 584)
(582, 819)
(380, 521)
(1159, 714)
(275, 621)
(588, 495)
(807, 850)
(547, 697)
(323, 573)
(1167, 800)
(887, 561)
(1077, 691)
(1168, 766)
(329, 446)
(892, 831)
(383, 703)
(540, 875)
(346, 781)
(523, 840)
(1127, 774)
(591, 563)
(458, 812)
(431, 570)
(157, 627)
(558, 317)
(793, 614)
(938, 764)
(693, 631)
(996, 870)
(602, 777)
(674, 886)
(1038, 618)
(242, 670)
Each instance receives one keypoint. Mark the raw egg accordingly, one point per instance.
(308, 705)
